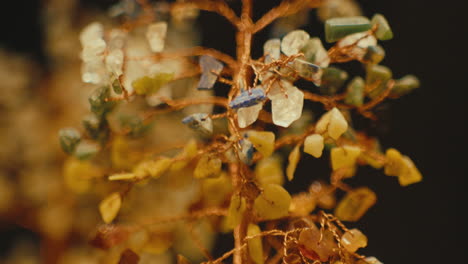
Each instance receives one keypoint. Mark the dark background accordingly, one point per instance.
(421, 223)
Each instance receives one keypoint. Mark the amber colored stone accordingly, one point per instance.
(129, 257)
(410, 174)
(393, 162)
(269, 170)
(108, 236)
(293, 159)
(255, 244)
(355, 204)
(273, 202)
(316, 245)
(207, 167)
(353, 239)
(344, 157)
(110, 206)
(263, 141)
(236, 209)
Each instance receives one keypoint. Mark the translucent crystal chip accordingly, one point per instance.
(269, 170)
(248, 115)
(374, 54)
(114, 62)
(78, 174)
(216, 190)
(99, 103)
(246, 151)
(355, 91)
(337, 28)
(355, 204)
(377, 77)
(93, 72)
(294, 41)
(199, 122)
(69, 139)
(208, 166)
(255, 244)
(210, 68)
(361, 40)
(353, 239)
(248, 98)
(86, 150)
(272, 50)
(332, 80)
(273, 202)
(94, 51)
(384, 32)
(156, 36)
(313, 145)
(308, 70)
(405, 85)
(91, 33)
(315, 52)
(344, 157)
(316, 244)
(110, 206)
(293, 160)
(393, 162)
(286, 108)
(263, 141)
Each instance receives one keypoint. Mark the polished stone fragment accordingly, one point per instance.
(384, 32)
(333, 123)
(199, 122)
(148, 85)
(273, 202)
(374, 54)
(263, 141)
(287, 108)
(314, 52)
(86, 150)
(272, 50)
(97, 129)
(69, 139)
(293, 160)
(394, 164)
(361, 40)
(236, 210)
(122, 177)
(355, 204)
(337, 28)
(294, 41)
(405, 85)
(269, 170)
(313, 145)
(208, 167)
(248, 115)
(210, 68)
(91, 32)
(255, 244)
(98, 101)
(410, 174)
(369, 260)
(344, 157)
(377, 77)
(94, 72)
(355, 91)
(110, 206)
(353, 239)
(247, 151)
(308, 70)
(401, 166)
(156, 36)
(248, 98)
(114, 62)
(332, 80)
(317, 245)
